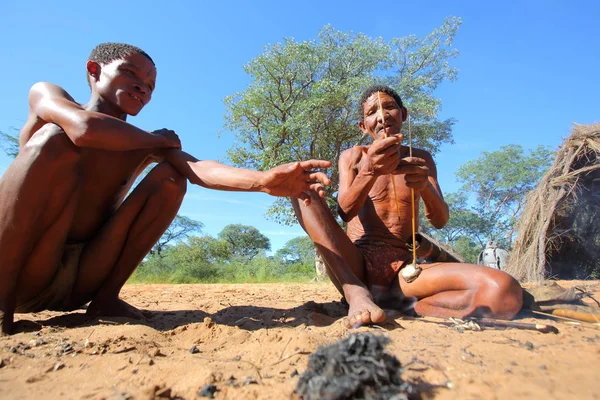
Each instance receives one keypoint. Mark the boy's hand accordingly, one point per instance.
(172, 140)
(416, 173)
(296, 179)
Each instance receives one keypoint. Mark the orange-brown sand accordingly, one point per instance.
(252, 341)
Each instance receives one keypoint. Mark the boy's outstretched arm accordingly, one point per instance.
(287, 180)
(51, 103)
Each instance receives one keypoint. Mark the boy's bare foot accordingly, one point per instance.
(114, 308)
(363, 310)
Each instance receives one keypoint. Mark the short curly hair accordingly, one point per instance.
(105, 53)
(360, 111)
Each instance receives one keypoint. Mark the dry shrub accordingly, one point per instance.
(559, 230)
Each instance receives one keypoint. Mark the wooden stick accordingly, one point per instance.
(412, 203)
(577, 315)
(517, 325)
(386, 135)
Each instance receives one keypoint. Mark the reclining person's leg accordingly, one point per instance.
(464, 290)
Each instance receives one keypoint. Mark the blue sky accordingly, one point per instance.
(528, 70)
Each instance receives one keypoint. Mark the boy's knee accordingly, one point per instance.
(172, 184)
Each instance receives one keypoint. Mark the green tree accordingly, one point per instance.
(9, 143)
(197, 259)
(467, 249)
(463, 222)
(499, 181)
(301, 100)
(244, 241)
(179, 229)
(300, 250)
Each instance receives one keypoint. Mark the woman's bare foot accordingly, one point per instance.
(363, 310)
(114, 308)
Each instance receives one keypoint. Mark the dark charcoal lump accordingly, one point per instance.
(354, 368)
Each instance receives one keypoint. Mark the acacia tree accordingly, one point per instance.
(244, 241)
(180, 228)
(298, 250)
(499, 180)
(302, 98)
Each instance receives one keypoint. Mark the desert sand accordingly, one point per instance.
(253, 340)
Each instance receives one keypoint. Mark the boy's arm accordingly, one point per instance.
(53, 104)
(287, 180)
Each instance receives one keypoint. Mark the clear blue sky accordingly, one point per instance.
(528, 70)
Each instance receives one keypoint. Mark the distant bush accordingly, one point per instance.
(208, 260)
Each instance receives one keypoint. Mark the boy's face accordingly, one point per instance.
(126, 83)
(373, 124)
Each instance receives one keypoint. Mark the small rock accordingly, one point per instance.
(58, 366)
(208, 391)
(529, 346)
(2, 363)
(543, 367)
(151, 362)
(155, 353)
(231, 381)
(250, 381)
(194, 350)
(163, 393)
(294, 373)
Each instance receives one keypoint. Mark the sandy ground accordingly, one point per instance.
(251, 341)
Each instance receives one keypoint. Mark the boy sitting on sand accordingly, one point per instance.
(68, 232)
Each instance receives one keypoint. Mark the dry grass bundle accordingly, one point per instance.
(559, 230)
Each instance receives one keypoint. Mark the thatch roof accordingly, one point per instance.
(559, 230)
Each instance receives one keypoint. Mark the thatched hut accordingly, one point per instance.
(559, 230)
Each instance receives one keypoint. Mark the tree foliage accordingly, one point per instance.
(499, 181)
(244, 241)
(9, 143)
(301, 101)
(463, 222)
(300, 250)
